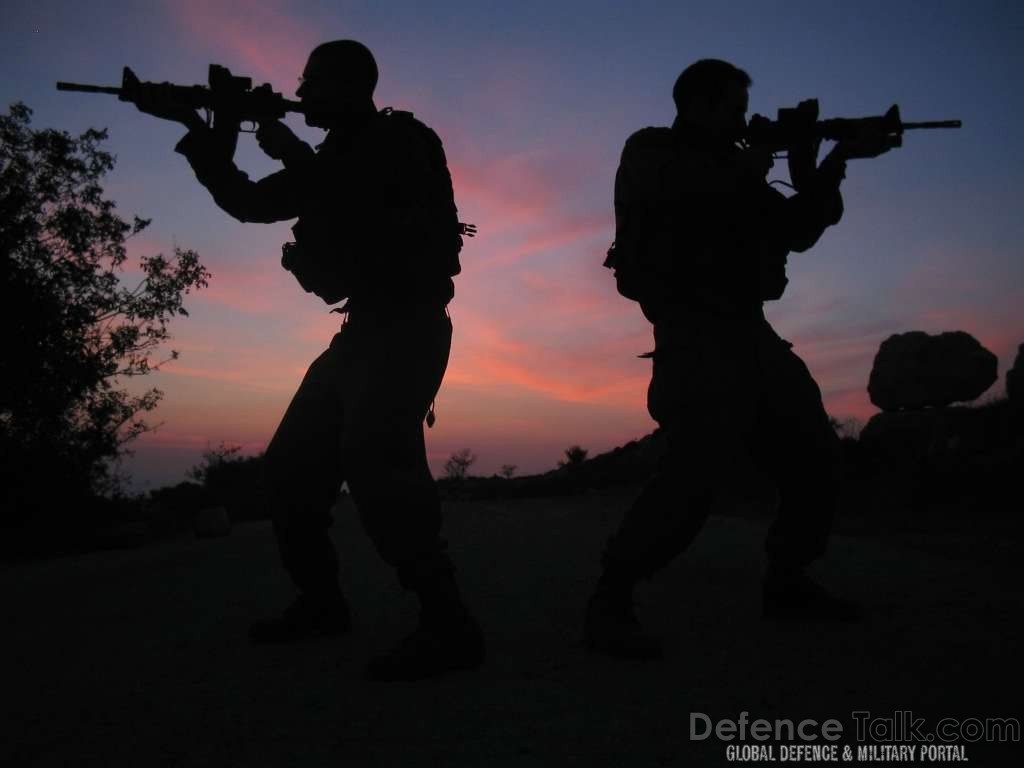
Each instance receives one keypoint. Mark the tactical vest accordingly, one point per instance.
(687, 235)
(642, 215)
(381, 240)
(442, 238)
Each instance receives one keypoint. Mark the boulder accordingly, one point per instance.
(212, 522)
(918, 370)
(897, 439)
(1015, 378)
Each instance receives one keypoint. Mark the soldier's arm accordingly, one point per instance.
(816, 207)
(273, 198)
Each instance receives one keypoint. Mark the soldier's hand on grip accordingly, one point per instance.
(277, 140)
(753, 163)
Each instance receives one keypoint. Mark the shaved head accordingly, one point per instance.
(348, 64)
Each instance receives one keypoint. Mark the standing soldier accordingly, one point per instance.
(701, 243)
(377, 225)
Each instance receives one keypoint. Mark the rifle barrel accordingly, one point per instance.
(932, 124)
(195, 95)
(88, 88)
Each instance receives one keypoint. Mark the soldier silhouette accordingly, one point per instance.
(701, 242)
(377, 224)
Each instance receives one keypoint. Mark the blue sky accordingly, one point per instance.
(534, 102)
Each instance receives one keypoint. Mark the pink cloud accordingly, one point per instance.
(245, 289)
(260, 39)
(234, 375)
(502, 193)
(850, 403)
(485, 354)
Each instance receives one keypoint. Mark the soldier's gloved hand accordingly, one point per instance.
(277, 140)
(154, 99)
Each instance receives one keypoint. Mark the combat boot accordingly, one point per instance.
(447, 639)
(791, 595)
(611, 625)
(308, 617)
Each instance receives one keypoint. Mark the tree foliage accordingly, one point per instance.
(231, 480)
(71, 328)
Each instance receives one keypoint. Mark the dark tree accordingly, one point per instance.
(232, 480)
(458, 464)
(574, 455)
(71, 329)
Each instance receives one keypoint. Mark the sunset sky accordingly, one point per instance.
(533, 101)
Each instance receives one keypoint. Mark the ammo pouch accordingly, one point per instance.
(313, 269)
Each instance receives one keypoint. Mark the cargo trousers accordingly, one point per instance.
(728, 395)
(357, 417)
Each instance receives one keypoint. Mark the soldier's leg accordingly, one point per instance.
(387, 397)
(394, 374)
(302, 476)
(701, 397)
(798, 444)
(669, 512)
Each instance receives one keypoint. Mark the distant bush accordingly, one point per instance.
(458, 464)
(574, 456)
(172, 508)
(231, 480)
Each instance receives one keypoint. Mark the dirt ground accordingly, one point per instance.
(139, 657)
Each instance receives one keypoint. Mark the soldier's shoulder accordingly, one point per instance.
(650, 139)
(652, 134)
(648, 145)
(401, 118)
(403, 125)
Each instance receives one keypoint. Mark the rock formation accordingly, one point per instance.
(917, 370)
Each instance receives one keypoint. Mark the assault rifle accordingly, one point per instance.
(226, 94)
(797, 125)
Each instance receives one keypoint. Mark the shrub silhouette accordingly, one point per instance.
(231, 480)
(70, 330)
(458, 464)
(574, 456)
